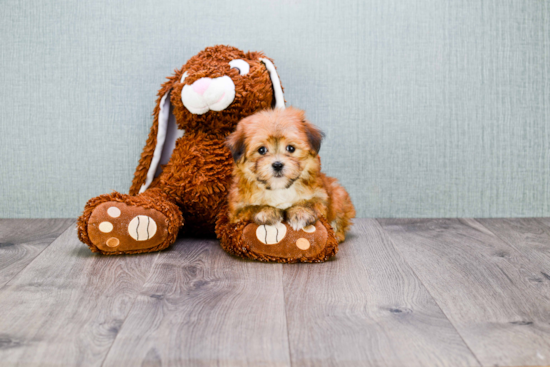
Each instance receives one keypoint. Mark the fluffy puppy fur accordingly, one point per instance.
(277, 174)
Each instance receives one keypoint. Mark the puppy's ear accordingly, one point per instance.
(235, 143)
(314, 135)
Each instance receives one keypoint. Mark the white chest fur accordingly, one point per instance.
(282, 199)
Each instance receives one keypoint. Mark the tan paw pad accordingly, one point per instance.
(309, 229)
(113, 212)
(302, 244)
(105, 227)
(142, 228)
(112, 242)
(271, 235)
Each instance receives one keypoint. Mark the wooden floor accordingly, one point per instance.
(401, 292)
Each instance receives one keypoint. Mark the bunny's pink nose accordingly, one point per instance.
(201, 85)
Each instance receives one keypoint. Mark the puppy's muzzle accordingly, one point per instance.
(207, 94)
(277, 167)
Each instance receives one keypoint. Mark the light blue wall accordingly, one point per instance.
(431, 108)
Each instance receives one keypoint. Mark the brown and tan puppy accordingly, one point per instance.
(277, 175)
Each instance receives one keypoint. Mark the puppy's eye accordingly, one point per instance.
(262, 150)
(290, 149)
(240, 65)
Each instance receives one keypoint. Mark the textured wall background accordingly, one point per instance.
(431, 108)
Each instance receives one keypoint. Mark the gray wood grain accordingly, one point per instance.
(367, 308)
(67, 306)
(21, 240)
(489, 291)
(202, 307)
(545, 221)
(407, 293)
(529, 236)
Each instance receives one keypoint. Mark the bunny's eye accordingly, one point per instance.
(185, 75)
(240, 65)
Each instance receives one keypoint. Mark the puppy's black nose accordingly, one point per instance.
(277, 166)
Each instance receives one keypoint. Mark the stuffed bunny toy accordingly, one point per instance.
(182, 179)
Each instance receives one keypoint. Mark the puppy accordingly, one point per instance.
(277, 174)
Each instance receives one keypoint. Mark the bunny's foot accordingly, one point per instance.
(121, 224)
(278, 243)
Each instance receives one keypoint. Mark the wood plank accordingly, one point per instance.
(488, 290)
(202, 307)
(529, 236)
(545, 221)
(66, 307)
(21, 240)
(367, 308)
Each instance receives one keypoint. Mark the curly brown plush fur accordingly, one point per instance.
(253, 93)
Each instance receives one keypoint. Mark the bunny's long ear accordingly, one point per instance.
(160, 143)
(277, 89)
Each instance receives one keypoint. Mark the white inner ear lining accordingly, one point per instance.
(163, 118)
(278, 91)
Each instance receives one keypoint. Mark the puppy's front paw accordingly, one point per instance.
(268, 215)
(299, 217)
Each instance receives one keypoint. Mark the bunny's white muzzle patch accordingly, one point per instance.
(207, 94)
